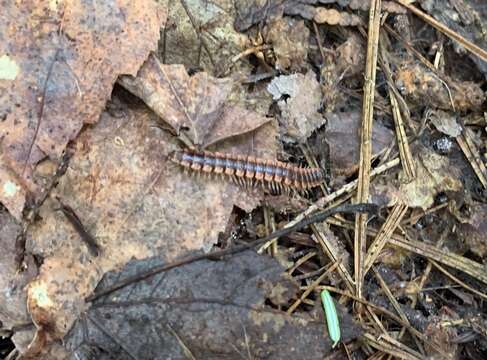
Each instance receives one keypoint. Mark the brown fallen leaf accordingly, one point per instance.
(435, 174)
(425, 88)
(347, 62)
(289, 39)
(201, 35)
(134, 202)
(299, 111)
(351, 56)
(194, 105)
(64, 63)
(343, 137)
(204, 310)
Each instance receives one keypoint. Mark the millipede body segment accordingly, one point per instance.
(250, 171)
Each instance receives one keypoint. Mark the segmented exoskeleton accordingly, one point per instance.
(250, 171)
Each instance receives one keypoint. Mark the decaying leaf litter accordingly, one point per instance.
(280, 81)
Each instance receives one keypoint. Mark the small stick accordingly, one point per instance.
(80, 228)
(319, 217)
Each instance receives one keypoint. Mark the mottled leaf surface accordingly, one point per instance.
(64, 58)
(209, 309)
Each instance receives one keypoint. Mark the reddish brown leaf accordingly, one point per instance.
(195, 105)
(67, 56)
(135, 203)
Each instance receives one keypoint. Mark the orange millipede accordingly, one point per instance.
(250, 171)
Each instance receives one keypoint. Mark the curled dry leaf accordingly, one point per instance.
(217, 309)
(299, 111)
(134, 202)
(195, 105)
(423, 87)
(63, 65)
(289, 40)
(343, 137)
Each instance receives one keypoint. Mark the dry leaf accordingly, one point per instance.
(289, 39)
(342, 132)
(425, 88)
(63, 63)
(299, 112)
(251, 12)
(216, 309)
(195, 105)
(351, 56)
(134, 202)
(443, 336)
(445, 123)
(434, 174)
(12, 192)
(200, 35)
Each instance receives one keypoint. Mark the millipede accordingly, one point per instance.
(248, 171)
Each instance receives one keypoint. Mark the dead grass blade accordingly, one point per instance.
(470, 267)
(385, 232)
(360, 241)
(473, 156)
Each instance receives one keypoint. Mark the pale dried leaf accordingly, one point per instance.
(446, 123)
(289, 39)
(434, 174)
(299, 112)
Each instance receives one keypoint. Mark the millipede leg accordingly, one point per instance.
(248, 183)
(279, 188)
